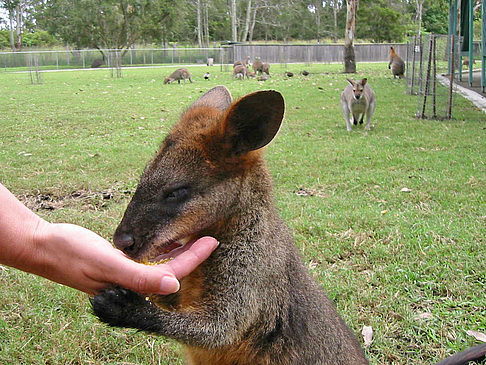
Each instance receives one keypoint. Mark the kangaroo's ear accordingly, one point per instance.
(351, 81)
(218, 97)
(253, 121)
(363, 82)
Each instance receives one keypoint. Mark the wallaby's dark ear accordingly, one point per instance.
(218, 97)
(253, 121)
(351, 81)
(363, 82)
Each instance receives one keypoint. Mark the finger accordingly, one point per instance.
(162, 279)
(187, 261)
(147, 279)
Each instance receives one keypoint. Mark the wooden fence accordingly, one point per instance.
(319, 53)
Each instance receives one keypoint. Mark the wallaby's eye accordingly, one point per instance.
(177, 195)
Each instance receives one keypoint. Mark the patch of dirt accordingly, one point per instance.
(321, 193)
(89, 200)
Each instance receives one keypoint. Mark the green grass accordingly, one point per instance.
(383, 255)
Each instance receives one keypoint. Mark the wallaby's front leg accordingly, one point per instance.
(121, 307)
(347, 115)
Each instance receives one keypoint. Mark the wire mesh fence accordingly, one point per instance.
(224, 55)
(428, 62)
(48, 60)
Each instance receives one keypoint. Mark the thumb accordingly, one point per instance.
(141, 278)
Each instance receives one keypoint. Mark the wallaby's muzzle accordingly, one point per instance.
(123, 240)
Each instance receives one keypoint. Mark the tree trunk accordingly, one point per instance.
(199, 26)
(18, 17)
(12, 29)
(317, 6)
(234, 33)
(335, 10)
(253, 22)
(420, 5)
(349, 57)
(247, 22)
(206, 23)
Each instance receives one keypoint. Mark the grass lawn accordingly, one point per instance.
(392, 222)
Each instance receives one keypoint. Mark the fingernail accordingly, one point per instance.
(169, 284)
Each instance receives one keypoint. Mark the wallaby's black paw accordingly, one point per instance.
(355, 122)
(118, 306)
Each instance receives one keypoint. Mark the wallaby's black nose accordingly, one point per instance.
(123, 240)
(357, 96)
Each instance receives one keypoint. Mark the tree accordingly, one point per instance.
(435, 16)
(233, 16)
(379, 22)
(106, 24)
(247, 22)
(199, 23)
(16, 10)
(349, 34)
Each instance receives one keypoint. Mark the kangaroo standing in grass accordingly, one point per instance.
(178, 75)
(253, 301)
(396, 64)
(358, 99)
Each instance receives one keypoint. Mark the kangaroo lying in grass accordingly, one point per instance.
(253, 300)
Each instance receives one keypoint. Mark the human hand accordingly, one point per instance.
(81, 259)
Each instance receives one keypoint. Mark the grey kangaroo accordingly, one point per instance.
(253, 300)
(358, 99)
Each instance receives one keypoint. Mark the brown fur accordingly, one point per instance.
(242, 72)
(260, 67)
(396, 64)
(253, 300)
(178, 75)
(466, 62)
(245, 63)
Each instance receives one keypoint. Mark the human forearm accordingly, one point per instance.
(18, 225)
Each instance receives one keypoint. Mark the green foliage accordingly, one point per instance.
(408, 263)
(436, 16)
(379, 22)
(4, 39)
(39, 38)
(107, 23)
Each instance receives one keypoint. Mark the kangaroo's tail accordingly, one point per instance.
(462, 358)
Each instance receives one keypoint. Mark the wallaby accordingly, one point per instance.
(253, 300)
(466, 62)
(260, 67)
(396, 64)
(358, 99)
(240, 72)
(178, 75)
(245, 63)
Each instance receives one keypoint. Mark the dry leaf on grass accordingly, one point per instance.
(425, 315)
(477, 335)
(367, 333)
